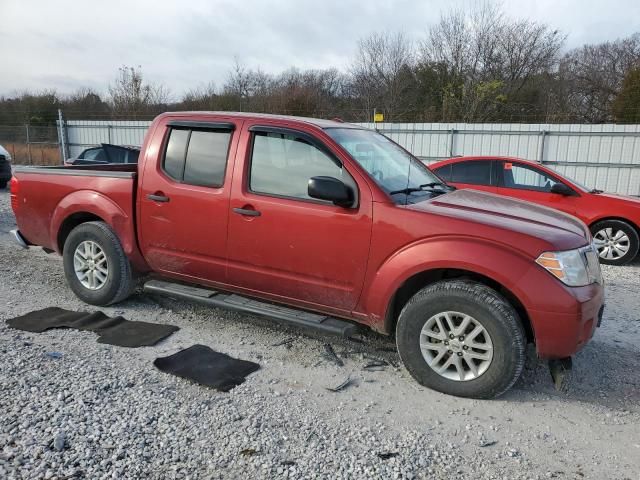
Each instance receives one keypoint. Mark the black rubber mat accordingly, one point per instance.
(112, 330)
(202, 365)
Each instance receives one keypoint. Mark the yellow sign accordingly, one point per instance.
(378, 117)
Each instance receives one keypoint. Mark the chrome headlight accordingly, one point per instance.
(575, 268)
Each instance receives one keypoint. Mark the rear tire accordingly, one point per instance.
(613, 236)
(485, 358)
(86, 276)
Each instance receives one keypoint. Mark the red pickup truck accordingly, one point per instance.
(323, 224)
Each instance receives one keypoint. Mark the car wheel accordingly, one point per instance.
(461, 338)
(617, 241)
(95, 265)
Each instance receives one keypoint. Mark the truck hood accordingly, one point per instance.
(556, 228)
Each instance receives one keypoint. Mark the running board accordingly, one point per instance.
(238, 303)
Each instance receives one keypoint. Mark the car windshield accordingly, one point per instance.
(405, 178)
(580, 185)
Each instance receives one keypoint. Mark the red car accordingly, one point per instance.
(323, 224)
(614, 220)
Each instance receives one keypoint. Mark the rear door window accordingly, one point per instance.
(474, 172)
(444, 173)
(197, 157)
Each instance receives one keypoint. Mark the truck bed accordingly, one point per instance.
(45, 196)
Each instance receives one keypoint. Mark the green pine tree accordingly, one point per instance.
(626, 106)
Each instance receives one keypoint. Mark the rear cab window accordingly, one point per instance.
(473, 172)
(197, 156)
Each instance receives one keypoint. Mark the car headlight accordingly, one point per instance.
(575, 268)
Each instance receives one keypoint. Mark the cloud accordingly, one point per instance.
(67, 44)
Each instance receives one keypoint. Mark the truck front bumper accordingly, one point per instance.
(562, 334)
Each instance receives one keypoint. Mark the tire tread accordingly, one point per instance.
(125, 282)
(483, 294)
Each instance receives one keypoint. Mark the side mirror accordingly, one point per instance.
(331, 189)
(562, 189)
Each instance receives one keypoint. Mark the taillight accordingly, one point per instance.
(13, 189)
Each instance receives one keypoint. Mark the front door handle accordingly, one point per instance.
(247, 212)
(158, 197)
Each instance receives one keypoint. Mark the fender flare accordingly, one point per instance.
(95, 203)
(471, 254)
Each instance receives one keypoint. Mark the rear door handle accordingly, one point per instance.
(158, 197)
(247, 212)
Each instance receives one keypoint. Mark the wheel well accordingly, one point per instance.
(620, 219)
(71, 222)
(420, 280)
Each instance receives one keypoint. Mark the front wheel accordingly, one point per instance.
(95, 265)
(617, 241)
(461, 338)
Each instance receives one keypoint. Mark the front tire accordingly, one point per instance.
(617, 241)
(461, 338)
(95, 265)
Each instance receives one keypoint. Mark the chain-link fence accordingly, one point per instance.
(31, 144)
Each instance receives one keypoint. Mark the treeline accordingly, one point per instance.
(477, 66)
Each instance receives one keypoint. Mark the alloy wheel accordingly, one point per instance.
(611, 243)
(456, 346)
(90, 264)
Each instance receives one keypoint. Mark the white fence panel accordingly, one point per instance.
(83, 134)
(600, 156)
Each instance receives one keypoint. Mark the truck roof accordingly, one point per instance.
(318, 122)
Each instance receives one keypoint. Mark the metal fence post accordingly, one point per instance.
(451, 141)
(543, 135)
(28, 145)
(62, 137)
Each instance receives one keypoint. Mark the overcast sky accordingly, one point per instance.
(66, 44)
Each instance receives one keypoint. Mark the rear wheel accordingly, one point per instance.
(617, 241)
(95, 265)
(461, 338)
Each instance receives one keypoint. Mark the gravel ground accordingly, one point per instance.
(100, 411)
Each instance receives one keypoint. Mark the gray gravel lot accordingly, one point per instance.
(101, 411)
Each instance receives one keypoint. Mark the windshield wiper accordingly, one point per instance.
(406, 191)
(596, 191)
(421, 188)
(432, 184)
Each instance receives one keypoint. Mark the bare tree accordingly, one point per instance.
(84, 102)
(130, 95)
(377, 70)
(244, 84)
(488, 59)
(201, 98)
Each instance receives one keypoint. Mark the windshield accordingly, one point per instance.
(581, 186)
(405, 178)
